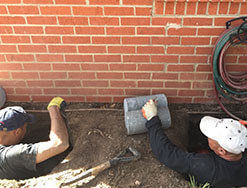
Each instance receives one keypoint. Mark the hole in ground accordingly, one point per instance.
(197, 142)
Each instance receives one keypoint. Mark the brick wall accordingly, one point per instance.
(106, 50)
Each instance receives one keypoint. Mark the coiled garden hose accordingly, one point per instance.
(232, 86)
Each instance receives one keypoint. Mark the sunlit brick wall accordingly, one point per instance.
(106, 50)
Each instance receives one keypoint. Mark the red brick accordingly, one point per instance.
(143, 11)
(49, 58)
(62, 49)
(150, 50)
(16, 98)
(90, 30)
(234, 8)
(96, 83)
(136, 58)
(81, 75)
(230, 59)
(122, 83)
(150, 67)
(39, 83)
(83, 91)
(137, 2)
(19, 57)
(180, 8)
(136, 40)
(92, 49)
(8, 48)
(181, 31)
(55, 10)
(173, 84)
(103, 21)
(109, 75)
(10, 66)
(119, 11)
(94, 66)
(122, 67)
(12, 20)
(107, 58)
(202, 8)
(29, 91)
(59, 30)
(5, 30)
(46, 39)
(73, 20)
(149, 84)
(105, 2)
(191, 93)
(3, 10)
(15, 39)
(166, 21)
(169, 8)
(193, 59)
(167, 92)
(159, 7)
(67, 83)
(28, 30)
(165, 40)
(193, 76)
(137, 92)
(242, 59)
(99, 99)
(202, 85)
(164, 58)
(43, 20)
(135, 21)
(65, 66)
(240, 49)
(150, 30)
(180, 68)
(236, 68)
(23, 9)
(106, 40)
(243, 8)
(76, 40)
(191, 8)
(12, 83)
(223, 8)
(73, 2)
(212, 8)
(198, 21)
(111, 92)
(2, 58)
(222, 21)
(94, 11)
(165, 76)
(56, 91)
(25, 75)
(137, 76)
(5, 75)
(195, 41)
(203, 68)
(37, 66)
(210, 31)
(32, 48)
(78, 58)
(180, 50)
(120, 31)
(53, 75)
(10, 1)
(38, 1)
(121, 49)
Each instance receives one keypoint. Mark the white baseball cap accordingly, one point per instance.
(229, 133)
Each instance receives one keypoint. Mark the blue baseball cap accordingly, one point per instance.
(14, 117)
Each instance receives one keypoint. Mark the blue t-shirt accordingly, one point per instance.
(18, 161)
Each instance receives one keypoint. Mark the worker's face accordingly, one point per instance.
(213, 145)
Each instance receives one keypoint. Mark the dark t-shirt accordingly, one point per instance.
(210, 168)
(18, 161)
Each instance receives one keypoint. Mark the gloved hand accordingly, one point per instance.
(149, 110)
(57, 101)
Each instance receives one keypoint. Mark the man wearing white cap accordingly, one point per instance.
(20, 161)
(224, 167)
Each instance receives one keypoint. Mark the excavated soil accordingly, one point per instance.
(97, 134)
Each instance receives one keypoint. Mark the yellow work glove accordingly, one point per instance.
(57, 101)
(149, 110)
